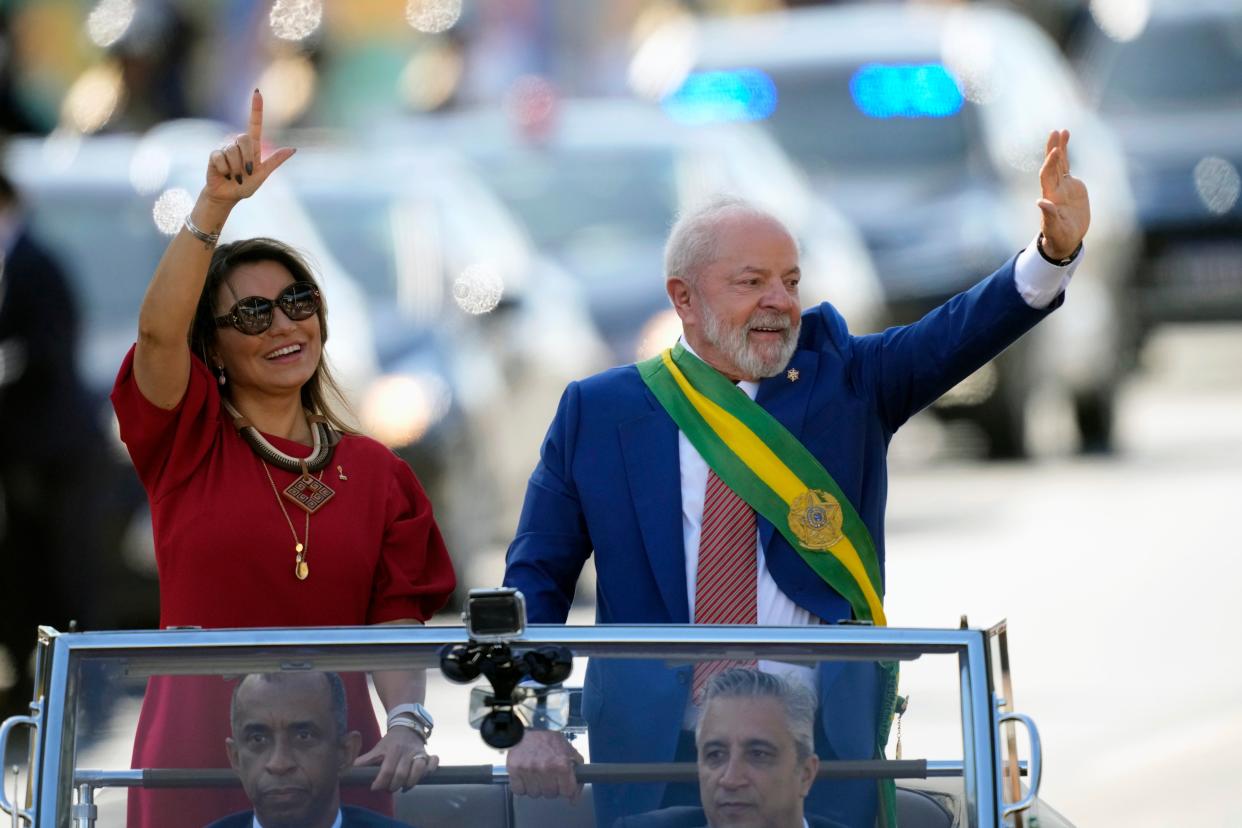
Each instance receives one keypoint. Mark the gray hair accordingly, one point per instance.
(336, 688)
(694, 237)
(749, 683)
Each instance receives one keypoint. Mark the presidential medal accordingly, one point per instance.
(816, 519)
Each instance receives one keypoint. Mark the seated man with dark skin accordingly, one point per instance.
(290, 745)
(756, 762)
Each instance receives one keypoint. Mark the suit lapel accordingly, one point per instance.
(653, 469)
(787, 401)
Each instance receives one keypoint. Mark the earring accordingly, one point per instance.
(220, 375)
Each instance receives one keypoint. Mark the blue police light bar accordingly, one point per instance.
(913, 90)
(727, 95)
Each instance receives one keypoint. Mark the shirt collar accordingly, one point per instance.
(337, 822)
(749, 387)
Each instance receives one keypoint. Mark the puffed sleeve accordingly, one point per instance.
(167, 445)
(415, 576)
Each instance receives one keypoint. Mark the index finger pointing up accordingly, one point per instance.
(255, 127)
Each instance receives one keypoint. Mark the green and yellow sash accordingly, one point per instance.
(773, 472)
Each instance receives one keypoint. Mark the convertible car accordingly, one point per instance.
(952, 750)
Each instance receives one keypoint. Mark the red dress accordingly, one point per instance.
(226, 559)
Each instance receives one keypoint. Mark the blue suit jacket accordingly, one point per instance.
(608, 483)
(351, 817)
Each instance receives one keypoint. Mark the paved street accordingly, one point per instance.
(1118, 577)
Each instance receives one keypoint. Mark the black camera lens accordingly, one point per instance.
(494, 615)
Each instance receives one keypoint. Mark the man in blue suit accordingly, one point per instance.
(289, 747)
(619, 479)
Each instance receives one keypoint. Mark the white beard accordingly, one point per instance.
(752, 360)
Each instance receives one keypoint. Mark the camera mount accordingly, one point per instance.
(493, 617)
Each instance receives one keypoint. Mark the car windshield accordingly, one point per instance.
(215, 703)
(568, 197)
(1174, 65)
(829, 128)
(358, 230)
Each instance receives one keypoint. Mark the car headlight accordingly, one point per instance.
(399, 409)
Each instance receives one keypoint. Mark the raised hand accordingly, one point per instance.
(1065, 208)
(238, 169)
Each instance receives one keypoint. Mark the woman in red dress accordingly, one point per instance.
(267, 510)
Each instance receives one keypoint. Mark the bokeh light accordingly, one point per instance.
(1217, 183)
(1121, 19)
(433, 16)
(968, 50)
(431, 77)
(289, 84)
(170, 210)
(733, 95)
(93, 99)
(531, 104)
(399, 409)
(663, 59)
(295, 19)
(109, 21)
(148, 169)
(660, 332)
(478, 289)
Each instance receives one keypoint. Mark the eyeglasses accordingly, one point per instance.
(253, 315)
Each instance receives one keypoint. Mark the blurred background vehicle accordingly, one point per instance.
(926, 125)
(1173, 92)
(598, 183)
(476, 333)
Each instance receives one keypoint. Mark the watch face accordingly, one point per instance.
(425, 715)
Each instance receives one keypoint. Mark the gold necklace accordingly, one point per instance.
(300, 568)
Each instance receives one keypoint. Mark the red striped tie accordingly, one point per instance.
(725, 589)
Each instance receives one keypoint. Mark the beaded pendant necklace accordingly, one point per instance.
(308, 492)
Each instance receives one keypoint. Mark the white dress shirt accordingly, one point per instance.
(1039, 282)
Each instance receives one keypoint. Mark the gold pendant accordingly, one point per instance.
(301, 569)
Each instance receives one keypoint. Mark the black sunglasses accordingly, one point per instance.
(253, 314)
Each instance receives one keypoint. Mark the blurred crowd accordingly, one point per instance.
(485, 185)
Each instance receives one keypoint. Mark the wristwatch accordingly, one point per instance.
(1039, 245)
(414, 716)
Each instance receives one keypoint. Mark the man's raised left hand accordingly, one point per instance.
(1065, 208)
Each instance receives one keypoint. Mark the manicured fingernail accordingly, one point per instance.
(249, 168)
(238, 177)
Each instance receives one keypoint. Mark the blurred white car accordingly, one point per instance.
(599, 184)
(927, 125)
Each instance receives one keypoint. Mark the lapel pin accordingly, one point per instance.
(792, 375)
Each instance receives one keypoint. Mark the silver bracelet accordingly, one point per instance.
(418, 727)
(201, 235)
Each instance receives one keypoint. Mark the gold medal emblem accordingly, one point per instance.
(816, 519)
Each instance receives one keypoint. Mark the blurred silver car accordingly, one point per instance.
(1171, 84)
(476, 333)
(927, 126)
(598, 186)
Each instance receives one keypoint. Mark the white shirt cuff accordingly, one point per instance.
(1039, 280)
